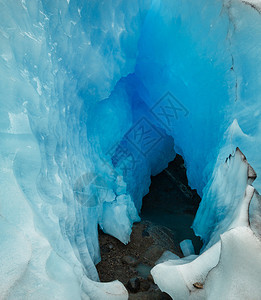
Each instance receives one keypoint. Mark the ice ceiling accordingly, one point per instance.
(98, 95)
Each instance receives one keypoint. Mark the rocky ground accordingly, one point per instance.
(131, 264)
(167, 215)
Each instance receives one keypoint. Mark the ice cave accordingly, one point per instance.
(98, 100)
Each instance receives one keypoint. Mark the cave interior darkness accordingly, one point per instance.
(172, 203)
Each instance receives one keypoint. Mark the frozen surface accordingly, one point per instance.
(98, 95)
(231, 194)
(237, 275)
(229, 266)
(167, 255)
(187, 247)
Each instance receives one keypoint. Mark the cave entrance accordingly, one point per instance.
(172, 203)
(167, 214)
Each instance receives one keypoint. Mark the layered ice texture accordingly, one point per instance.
(229, 265)
(96, 96)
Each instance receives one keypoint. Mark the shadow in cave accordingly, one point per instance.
(172, 203)
(166, 217)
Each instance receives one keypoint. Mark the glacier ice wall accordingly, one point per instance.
(47, 87)
(229, 266)
(80, 81)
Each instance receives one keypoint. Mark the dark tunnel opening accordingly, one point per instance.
(167, 214)
(172, 203)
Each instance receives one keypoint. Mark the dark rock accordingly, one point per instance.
(164, 296)
(130, 260)
(144, 285)
(153, 254)
(133, 270)
(139, 296)
(145, 233)
(159, 295)
(198, 285)
(150, 295)
(106, 248)
(133, 285)
(150, 278)
(143, 270)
